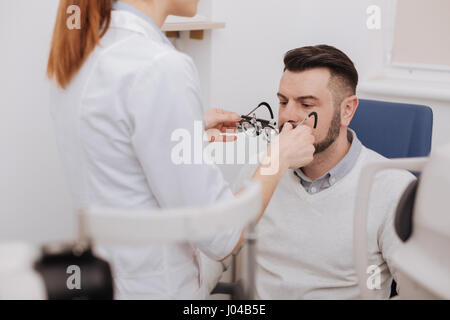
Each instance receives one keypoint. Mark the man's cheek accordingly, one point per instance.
(318, 134)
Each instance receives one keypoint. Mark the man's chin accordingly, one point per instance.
(321, 147)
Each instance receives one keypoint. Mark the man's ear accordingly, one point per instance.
(348, 109)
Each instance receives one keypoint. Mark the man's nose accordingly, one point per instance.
(293, 114)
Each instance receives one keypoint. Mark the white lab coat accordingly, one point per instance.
(113, 126)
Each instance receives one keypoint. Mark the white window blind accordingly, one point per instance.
(422, 33)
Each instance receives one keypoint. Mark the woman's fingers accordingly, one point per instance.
(216, 135)
(227, 118)
(229, 129)
(223, 138)
(219, 117)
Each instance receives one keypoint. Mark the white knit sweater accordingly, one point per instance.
(305, 243)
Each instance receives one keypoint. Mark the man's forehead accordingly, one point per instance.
(308, 82)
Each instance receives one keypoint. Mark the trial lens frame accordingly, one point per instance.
(254, 126)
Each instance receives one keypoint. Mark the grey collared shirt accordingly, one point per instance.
(335, 174)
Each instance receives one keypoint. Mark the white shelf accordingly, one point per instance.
(196, 26)
(191, 26)
(407, 88)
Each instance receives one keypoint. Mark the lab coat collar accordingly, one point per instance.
(127, 17)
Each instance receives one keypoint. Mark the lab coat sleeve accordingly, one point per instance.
(166, 121)
(244, 176)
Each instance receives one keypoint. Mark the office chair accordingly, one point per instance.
(395, 130)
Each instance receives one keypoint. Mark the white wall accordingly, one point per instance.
(248, 54)
(34, 201)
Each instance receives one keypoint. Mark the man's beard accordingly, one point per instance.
(332, 135)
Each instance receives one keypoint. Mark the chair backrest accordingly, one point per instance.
(395, 130)
(118, 226)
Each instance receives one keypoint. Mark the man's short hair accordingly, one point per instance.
(344, 76)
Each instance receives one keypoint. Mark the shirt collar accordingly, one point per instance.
(120, 5)
(343, 167)
(347, 163)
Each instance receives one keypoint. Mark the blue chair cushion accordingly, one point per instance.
(394, 130)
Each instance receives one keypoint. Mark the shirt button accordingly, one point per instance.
(313, 190)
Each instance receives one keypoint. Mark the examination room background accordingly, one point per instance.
(239, 67)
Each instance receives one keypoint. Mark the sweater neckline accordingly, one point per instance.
(300, 190)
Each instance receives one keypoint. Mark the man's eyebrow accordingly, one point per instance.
(281, 96)
(306, 98)
(298, 98)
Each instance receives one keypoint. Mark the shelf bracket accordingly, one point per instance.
(172, 34)
(196, 34)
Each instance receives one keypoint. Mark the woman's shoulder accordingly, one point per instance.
(134, 57)
(135, 47)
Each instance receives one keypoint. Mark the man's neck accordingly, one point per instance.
(328, 159)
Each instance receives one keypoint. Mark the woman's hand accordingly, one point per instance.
(218, 121)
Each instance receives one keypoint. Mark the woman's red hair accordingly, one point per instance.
(70, 48)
